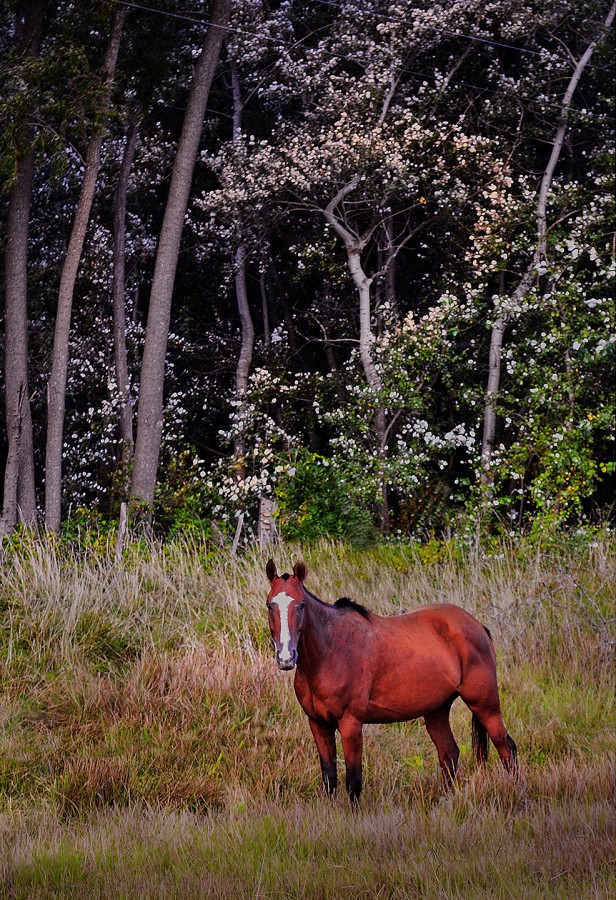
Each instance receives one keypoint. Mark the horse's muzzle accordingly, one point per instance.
(287, 664)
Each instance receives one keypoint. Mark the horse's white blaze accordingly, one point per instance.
(283, 601)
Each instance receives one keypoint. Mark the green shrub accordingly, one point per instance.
(314, 503)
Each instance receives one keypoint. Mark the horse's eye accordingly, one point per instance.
(269, 605)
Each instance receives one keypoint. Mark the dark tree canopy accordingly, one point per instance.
(392, 305)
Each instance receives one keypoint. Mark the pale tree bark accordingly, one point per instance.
(119, 305)
(267, 532)
(244, 362)
(150, 410)
(353, 245)
(539, 257)
(56, 386)
(494, 370)
(19, 499)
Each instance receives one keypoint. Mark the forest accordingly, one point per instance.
(350, 262)
(330, 282)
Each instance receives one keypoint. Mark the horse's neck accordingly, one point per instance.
(317, 632)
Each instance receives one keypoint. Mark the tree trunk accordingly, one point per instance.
(56, 386)
(557, 144)
(244, 362)
(539, 256)
(245, 359)
(242, 371)
(267, 335)
(489, 416)
(119, 307)
(267, 533)
(150, 412)
(391, 295)
(19, 500)
(330, 356)
(363, 283)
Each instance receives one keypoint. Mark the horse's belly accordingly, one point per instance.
(408, 692)
(404, 710)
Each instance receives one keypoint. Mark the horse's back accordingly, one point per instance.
(442, 617)
(442, 630)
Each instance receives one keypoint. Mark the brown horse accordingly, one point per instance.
(355, 667)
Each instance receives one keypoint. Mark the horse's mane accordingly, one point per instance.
(343, 603)
(347, 603)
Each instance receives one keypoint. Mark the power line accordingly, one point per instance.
(374, 15)
(468, 37)
(290, 46)
(182, 16)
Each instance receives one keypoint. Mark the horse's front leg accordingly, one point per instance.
(352, 744)
(325, 739)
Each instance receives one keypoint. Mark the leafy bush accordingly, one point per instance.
(314, 503)
(180, 499)
(88, 528)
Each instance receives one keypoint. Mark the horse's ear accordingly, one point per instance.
(299, 570)
(270, 570)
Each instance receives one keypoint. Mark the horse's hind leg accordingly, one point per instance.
(439, 729)
(489, 715)
(479, 691)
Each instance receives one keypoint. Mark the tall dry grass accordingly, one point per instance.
(148, 742)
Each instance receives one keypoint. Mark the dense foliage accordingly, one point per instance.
(380, 153)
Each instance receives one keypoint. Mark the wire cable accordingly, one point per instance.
(375, 15)
(288, 47)
(458, 34)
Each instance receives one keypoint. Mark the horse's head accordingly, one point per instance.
(285, 603)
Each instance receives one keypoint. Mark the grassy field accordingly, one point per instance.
(150, 748)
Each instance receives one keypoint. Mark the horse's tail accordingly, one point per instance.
(480, 740)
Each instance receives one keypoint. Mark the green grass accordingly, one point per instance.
(477, 844)
(149, 747)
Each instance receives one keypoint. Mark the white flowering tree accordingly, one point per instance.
(544, 282)
(370, 157)
(393, 281)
